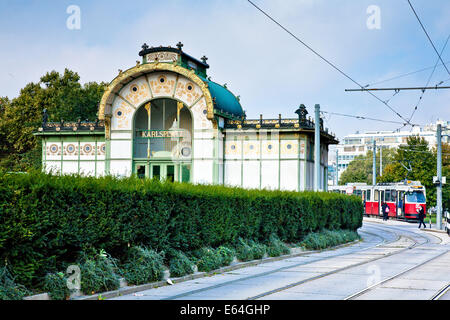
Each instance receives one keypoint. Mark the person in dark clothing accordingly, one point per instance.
(421, 213)
(385, 211)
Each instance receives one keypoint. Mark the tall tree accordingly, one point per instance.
(64, 98)
(361, 168)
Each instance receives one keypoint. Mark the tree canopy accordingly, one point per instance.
(64, 98)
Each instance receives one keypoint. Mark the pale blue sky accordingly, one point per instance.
(271, 71)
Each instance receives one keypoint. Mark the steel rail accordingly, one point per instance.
(441, 292)
(415, 243)
(181, 295)
(360, 293)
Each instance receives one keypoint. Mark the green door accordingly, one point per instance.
(163, 172)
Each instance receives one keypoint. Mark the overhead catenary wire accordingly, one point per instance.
(431, 41)
(404, 75)
(428, 82)
(364, 118)
(327, 61)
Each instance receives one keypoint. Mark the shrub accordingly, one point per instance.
(98, 274)
(327, 238)
(227, 255)
(180, 265)
(9, 289)
(143, 266)
(250, 250)
(209, 259)
(56, 286)
(244, 251)
(259, 249)
(276, 247)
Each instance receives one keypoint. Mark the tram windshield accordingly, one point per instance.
(415, 196)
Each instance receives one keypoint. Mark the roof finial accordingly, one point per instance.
(179, 45)
(204, 58)
(144, 46)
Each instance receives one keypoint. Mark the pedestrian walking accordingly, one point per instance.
(385, 210)
(421, 213)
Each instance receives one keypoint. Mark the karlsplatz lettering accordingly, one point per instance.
(193, 310)
(163, 134)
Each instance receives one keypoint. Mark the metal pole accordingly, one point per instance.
(374, 170)
(381, 161)
(337, 167)
(317, 148)
(439, 176)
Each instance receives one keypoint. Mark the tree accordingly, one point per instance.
(64, 98)
(361, 168)
(416, 156)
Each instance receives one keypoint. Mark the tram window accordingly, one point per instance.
(367, 195)
(387, 195)
(382, 196)
(415, 197)
(393, 195)
(376, 195)
(359, 193)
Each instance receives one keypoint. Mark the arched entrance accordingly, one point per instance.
(162, 140)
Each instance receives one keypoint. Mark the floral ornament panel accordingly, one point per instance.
(87, 149)
(122, 115)
(199, 112)
(136, 92)
(289, 148)
(70, 150)
(233, 148)
(251, 148)
(270, 147)
(162, 84)
(53, 151)
(187, 91)
(101, 149)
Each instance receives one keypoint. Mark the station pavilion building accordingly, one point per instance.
(165, 119)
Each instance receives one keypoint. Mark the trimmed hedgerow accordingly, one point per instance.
(46, 220)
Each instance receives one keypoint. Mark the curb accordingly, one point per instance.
(133, 289)
(434, 230)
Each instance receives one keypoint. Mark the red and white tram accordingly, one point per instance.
(403, 198)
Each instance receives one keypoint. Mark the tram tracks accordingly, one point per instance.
(440, 293)
(335, 271)
(415, 244)
(384, 241)
(380, 242)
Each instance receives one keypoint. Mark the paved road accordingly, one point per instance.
(394, 261)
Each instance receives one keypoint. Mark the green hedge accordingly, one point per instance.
(45, 220)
